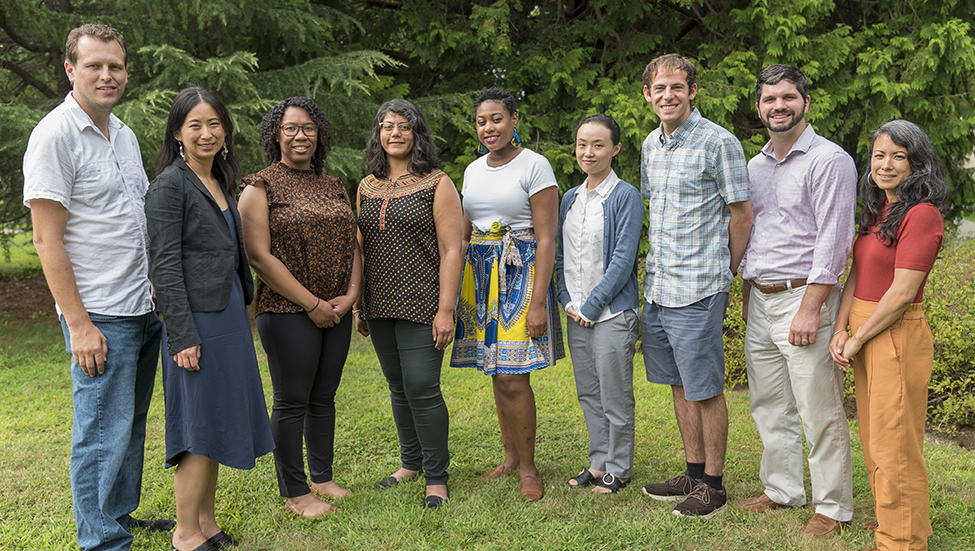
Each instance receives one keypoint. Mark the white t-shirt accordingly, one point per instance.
(500, 194)
(103, 186)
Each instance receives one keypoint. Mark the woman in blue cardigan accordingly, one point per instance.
(596, 267)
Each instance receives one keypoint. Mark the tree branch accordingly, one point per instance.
(27, 78)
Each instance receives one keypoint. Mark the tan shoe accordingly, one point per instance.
(821, 525)
(531, 488)
(759, 504)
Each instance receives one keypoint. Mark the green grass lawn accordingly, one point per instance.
(36, 514)
(18, 257)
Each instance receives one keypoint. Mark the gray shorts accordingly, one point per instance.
(684, 346)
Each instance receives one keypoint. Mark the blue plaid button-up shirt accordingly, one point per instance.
(690, 177)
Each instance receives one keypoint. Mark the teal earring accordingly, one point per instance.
(516, 140)
(480, 149)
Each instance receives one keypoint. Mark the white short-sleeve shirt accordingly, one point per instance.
(103, 186)
(500, 194)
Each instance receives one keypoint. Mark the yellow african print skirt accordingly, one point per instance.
(492, 329)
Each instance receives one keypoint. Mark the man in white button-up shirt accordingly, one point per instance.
(85, 186)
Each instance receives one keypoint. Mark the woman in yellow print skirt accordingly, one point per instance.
(507, 326)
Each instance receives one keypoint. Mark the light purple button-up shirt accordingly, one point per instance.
(803, 207)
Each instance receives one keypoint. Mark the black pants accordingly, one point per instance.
(305, 363)
(411, 364)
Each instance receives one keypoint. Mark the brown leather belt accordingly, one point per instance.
(778, 287)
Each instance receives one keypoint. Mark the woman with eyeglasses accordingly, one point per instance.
(409, 229)
(299, 233)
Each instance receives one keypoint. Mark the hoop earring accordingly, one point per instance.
(181, 154)
(224, 152)
(870, 181)
(480, 149)
(516, 139)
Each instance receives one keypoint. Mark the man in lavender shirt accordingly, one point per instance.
(803, 196)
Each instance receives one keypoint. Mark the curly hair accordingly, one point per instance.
(272, 124)
(499, 95)
(224, 170)
(925, 182)
(425, 156)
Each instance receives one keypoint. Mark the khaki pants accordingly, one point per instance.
(891, 372)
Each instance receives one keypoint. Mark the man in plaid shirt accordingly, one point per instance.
(695, 177)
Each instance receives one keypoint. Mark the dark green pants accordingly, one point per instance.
(412, 365)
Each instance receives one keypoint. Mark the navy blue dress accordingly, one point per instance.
(219, 411)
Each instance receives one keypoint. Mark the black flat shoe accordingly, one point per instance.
(584, 478)
(610, 481)
(432, 502)
(153, 524)
(205, 546)
(387, 482)
(223, 540)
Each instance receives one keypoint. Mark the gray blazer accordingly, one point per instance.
(191, 254)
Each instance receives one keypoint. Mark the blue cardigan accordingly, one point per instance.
(622, 223)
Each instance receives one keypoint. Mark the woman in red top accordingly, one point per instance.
(891, 349)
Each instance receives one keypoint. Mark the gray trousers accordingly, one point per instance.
(602, 361)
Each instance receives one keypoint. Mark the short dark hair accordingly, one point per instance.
(425, 156)
(773, 74)
(925, 183)
(670, 63)
(499, 95)
(94, 30)
(224, 170)
(271, 124)
(605, 120)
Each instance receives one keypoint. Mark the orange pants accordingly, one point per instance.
(891, 372)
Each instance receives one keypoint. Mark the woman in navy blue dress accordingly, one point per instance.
(215, 409)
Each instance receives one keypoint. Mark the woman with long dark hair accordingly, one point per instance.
(507, 324)
(215, 409)
(409, 228)
(299, 232)
(890, 345)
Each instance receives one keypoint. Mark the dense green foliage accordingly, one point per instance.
(868, 62)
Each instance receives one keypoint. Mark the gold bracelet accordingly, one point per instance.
(838, 332)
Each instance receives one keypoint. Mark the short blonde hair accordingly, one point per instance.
(94, 30)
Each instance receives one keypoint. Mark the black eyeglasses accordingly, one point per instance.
(291, 130)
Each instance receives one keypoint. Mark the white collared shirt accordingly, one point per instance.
(582, 244)
(103, 186)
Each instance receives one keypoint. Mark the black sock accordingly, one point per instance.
(695, 471)
(713, 481)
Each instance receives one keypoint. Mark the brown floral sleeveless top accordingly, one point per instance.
(313, 233)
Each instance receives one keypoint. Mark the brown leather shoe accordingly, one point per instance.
(871, 525)
(759, 504)
(531, 488)
(821, 525)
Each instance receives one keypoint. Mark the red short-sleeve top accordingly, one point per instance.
(919, 238)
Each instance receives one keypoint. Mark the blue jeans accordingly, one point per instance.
(109, 431)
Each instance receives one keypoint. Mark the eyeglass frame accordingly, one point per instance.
(404, 127)
(303, 128)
